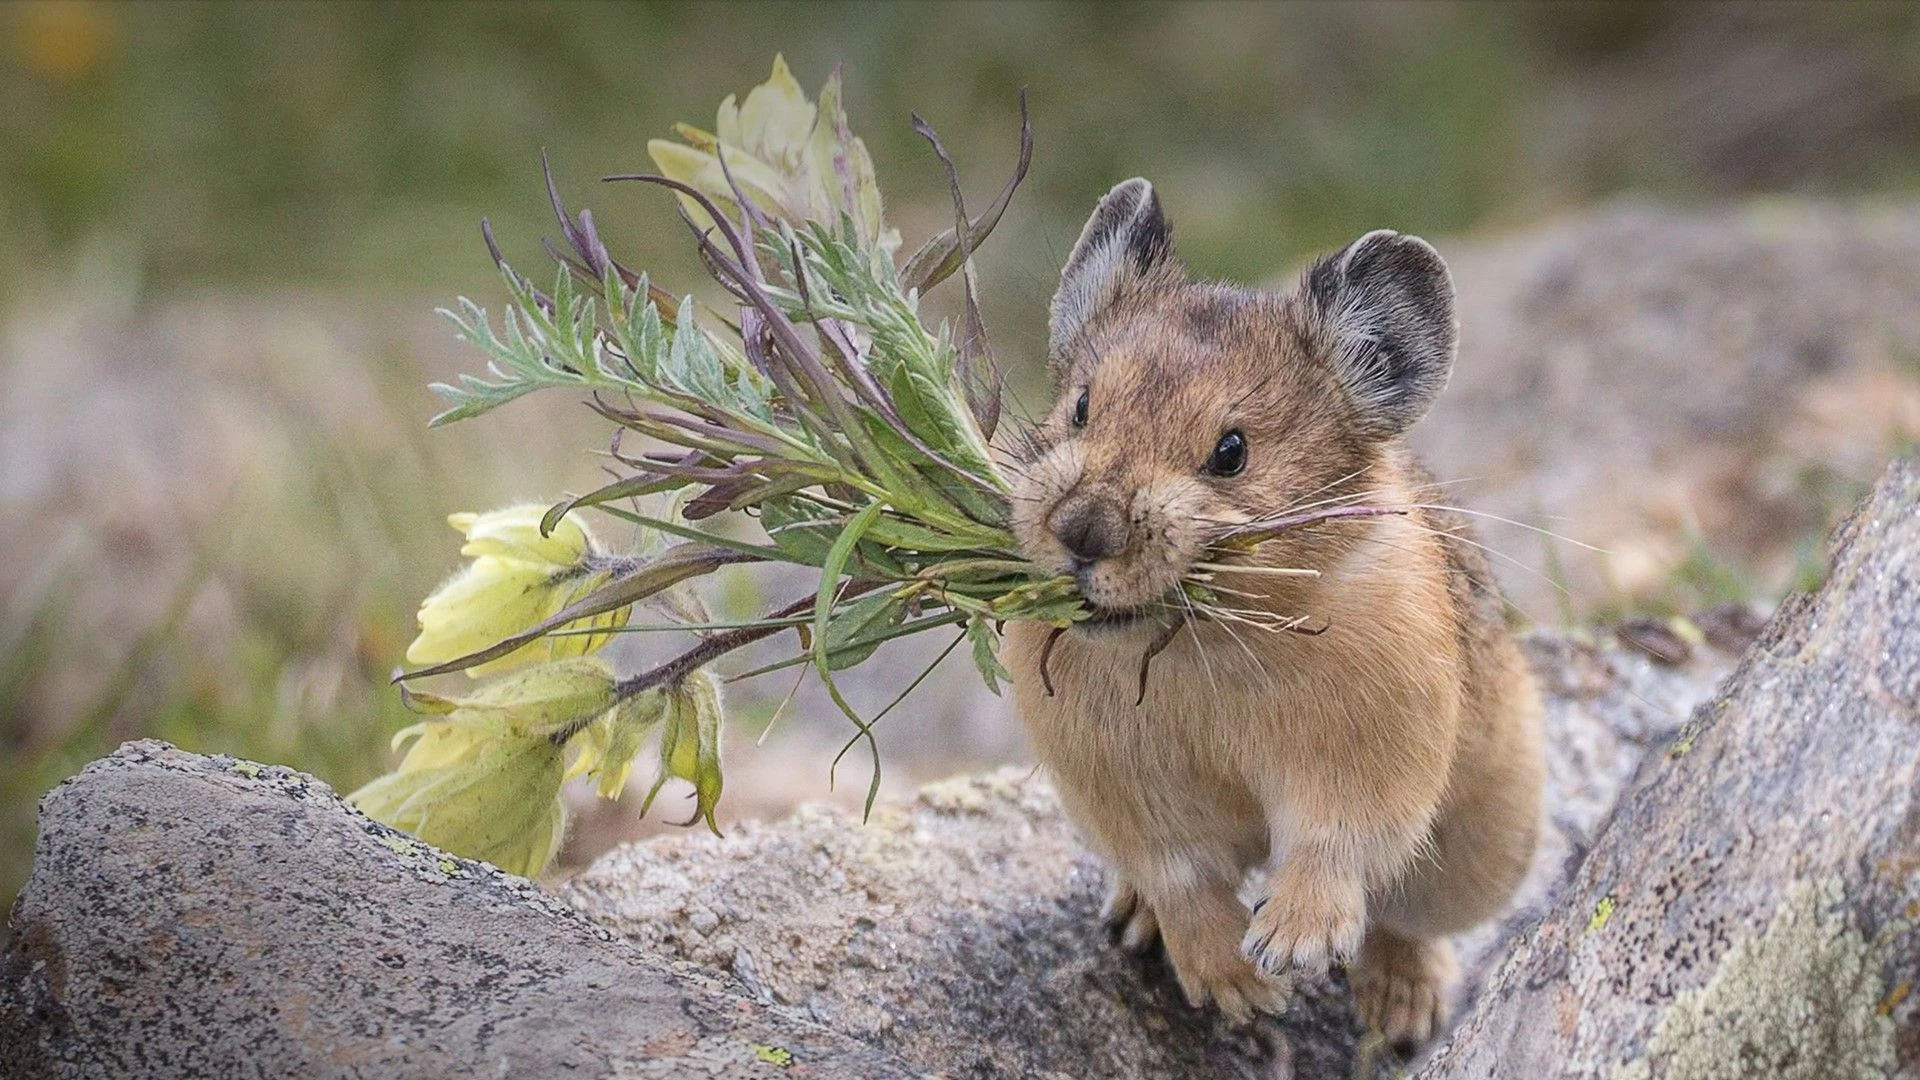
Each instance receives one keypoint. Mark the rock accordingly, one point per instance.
(1752, 908)
(186, 911)
(193, 916)
(1700, 392)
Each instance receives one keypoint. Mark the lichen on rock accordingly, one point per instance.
(1801, 1001)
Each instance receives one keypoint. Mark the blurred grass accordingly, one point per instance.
(222, 226)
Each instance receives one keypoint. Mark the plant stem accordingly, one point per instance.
(711, 649)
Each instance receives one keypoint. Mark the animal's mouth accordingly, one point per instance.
(1105, 620)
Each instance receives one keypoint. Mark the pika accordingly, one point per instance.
(1371, 732)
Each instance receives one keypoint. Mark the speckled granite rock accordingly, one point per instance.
(1752, 907)
(205, 917)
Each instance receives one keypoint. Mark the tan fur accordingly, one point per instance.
(1389, 769)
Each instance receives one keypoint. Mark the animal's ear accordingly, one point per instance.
(1124, 243)
(1386, 306)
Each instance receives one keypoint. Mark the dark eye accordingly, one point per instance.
(1080, 409)
(1229, 455)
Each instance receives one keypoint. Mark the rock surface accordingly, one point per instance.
(1753, 906)
(193, 916)
(1692, 390)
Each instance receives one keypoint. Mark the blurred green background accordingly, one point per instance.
(223, 229)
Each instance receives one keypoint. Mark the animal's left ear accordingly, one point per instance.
(1386, 306)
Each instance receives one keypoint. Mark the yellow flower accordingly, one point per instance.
(482, 777)
(475, 793)
(794, 159)
(690, 744)
(609, 745)
(517, 580)
(514, 533)
(537, 701)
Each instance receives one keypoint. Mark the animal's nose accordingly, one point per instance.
(1090, 527)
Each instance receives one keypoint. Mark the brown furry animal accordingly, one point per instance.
(1391, 765)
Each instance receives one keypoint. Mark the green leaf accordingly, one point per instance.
(830, 573)
(946, 618)
(858, 620)
(674, 528)
(691, 365)
(986, 646)
(628, 488)
(803, 531)
(901, 533)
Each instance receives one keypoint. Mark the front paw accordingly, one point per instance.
(1305, 930)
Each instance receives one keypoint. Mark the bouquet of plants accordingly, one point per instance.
(821, 406)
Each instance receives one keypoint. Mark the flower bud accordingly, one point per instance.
(690, 744)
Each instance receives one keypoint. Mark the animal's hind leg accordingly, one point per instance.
(1129, 916)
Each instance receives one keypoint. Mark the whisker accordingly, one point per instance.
(1192, 616)
(1249, 568)
(1489, 586)
(1293, 521)
(1216, 587)
(1510, 521)
(1234, 636)
(1329, 484)
(1498, 554)
(1369, 493)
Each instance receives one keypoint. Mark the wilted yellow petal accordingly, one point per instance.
(726, 125)
(608, 747)
(760, 181)
(829, 188)
(491, 599)
(517, 580)
(562, 645)
(867, 213)
(436, 744)
(532, 854)
(703, 141)
(793, 159)
(844, 169)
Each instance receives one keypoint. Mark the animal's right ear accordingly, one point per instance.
(1124, 243)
